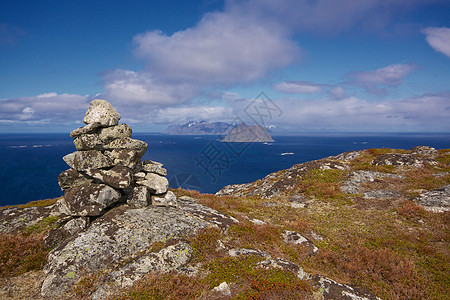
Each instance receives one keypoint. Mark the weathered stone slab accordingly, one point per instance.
(140, 197)
(84, 160)
(128, 143)
(101, 111)
(157, 184)
(90, 128)
(88, 141)
(90, 199)
(109, 134)
(71, 178)
(118, 177)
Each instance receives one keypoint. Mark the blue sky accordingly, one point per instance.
(326, 65)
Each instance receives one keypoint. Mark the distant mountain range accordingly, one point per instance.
(199, 128)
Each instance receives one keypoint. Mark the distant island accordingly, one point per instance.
(199, 128)
(243, 133)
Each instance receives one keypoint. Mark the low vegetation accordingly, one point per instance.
(392, 247)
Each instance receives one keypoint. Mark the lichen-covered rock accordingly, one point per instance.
(167, 199)
(118, 177)
(295, 238)
(125, 157)
(90, 199)
(84, 160)
(109, 134)
(139, 197)
(90, 128)
(58, 235)
(437, 200)
(113, 241)
(353, 184)
(128, 143)
(101, 111)
(331, 289)
(424, 150)
(398, 159)
(71, 178)
(167, 259)
(154, 167)
(88, 141)
(157, 184)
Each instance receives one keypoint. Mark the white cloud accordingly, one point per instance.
(223, 48)
(438, 38)
(298, 87)
(129, 87)
(45, 108)
(373, 81)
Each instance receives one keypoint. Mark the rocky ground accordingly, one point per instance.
(371, 224)
(360, 225)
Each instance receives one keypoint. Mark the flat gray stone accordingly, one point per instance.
(128, 143)
(157, 184)
(118, 177)
(84, 160)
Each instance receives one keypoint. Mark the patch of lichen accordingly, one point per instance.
(41, 226)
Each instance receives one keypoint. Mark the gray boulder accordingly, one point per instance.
(84, 160)
(109, 134)
(128, 143)
(157, 184)
(118, 242)
(90, 199)
(139, 197)
(118, 177)
(101, 111)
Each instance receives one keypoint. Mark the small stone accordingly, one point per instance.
(101, 111)
(88, 141)
(154, 168)
(223, 288)
(140, 197)
(118, 177)
(90, 128)
(167, 199)
(109, 134)
(71, 178)
(156, 183)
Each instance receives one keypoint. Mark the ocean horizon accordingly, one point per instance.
(31, 162)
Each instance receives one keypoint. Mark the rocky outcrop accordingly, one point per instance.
(437, 200)
(244, 134)
(281, 182)
(118, 244)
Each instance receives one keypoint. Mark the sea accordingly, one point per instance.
(30, 163)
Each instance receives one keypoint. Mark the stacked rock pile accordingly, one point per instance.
(107, 167)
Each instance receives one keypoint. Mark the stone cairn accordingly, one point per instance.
(107, 168)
